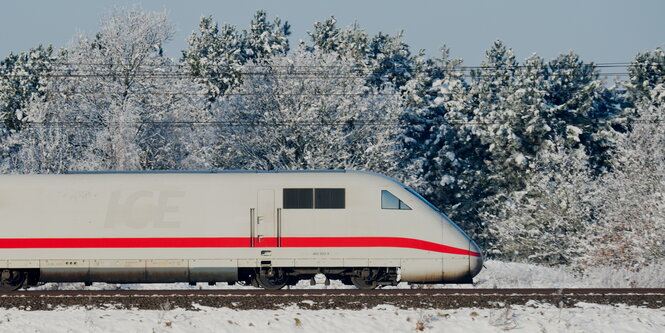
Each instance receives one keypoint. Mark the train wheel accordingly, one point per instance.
(11, 280)
(364, 283)
(271, 279)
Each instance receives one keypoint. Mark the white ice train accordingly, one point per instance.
(269, 229)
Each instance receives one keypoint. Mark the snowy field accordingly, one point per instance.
(529, 318)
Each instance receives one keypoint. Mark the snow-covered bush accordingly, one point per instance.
(547, 222)
(629, 228)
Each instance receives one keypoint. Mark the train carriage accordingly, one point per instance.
(269, 229)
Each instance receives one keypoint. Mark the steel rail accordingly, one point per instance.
(339, 292)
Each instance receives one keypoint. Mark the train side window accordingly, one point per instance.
(329, 198)
(298, 198)
(390, 201)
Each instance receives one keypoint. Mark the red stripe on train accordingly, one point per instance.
(228, 242)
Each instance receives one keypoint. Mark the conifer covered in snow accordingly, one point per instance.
(22, 78)
(265, 38)
(351, 42)
(382, 58)
(508, 110)
(434, 137)
(646, 72)
(583, 108)
(214, 56)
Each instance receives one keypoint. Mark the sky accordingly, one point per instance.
(600, 31)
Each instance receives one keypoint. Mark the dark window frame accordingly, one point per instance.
(314, 198)
(296, 198)
(399, 205)
(329, 198)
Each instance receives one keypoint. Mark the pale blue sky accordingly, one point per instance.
(600, 31)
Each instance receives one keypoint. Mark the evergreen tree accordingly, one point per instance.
(647, 71)
(351, 42)
(559, 120)
(433, 137)
(214, 57)
(264, 38)
(581, 102)
(384, 59)
(390, 60)
(22, 78)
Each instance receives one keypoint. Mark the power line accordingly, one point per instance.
(359, 72)
(263, 123)
(182, 93)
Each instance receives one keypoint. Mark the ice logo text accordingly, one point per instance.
(144, 209)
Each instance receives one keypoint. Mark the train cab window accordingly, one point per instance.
(390, 201)
(298, 198)
(329, 198)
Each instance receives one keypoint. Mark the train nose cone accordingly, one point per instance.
(475, 259)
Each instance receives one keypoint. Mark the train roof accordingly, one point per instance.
(214, 171)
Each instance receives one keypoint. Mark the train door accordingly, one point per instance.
(265, 224)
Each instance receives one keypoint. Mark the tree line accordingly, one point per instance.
(546, 161)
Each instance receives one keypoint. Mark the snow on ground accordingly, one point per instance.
(532, 317)
(498, 274)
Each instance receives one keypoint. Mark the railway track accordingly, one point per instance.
(326, 298)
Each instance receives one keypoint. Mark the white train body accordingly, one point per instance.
(226, 227)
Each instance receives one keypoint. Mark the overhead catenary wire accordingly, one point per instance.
(264, 123)
(318, 75)
(91, 70)
(465, 67)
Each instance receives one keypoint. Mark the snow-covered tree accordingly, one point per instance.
(433, 135)
(114, 104)
(264, 38)
(351, 42)
(214, 56)
(508, 126)
(22, 78)
(509, 115)
(579, 98)
(630, 225)
(284, 121)
(547, 222)
(647, 71)
(384, 59)
(390, 60)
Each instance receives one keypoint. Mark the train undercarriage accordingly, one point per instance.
(270, 278)
(274, 278)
